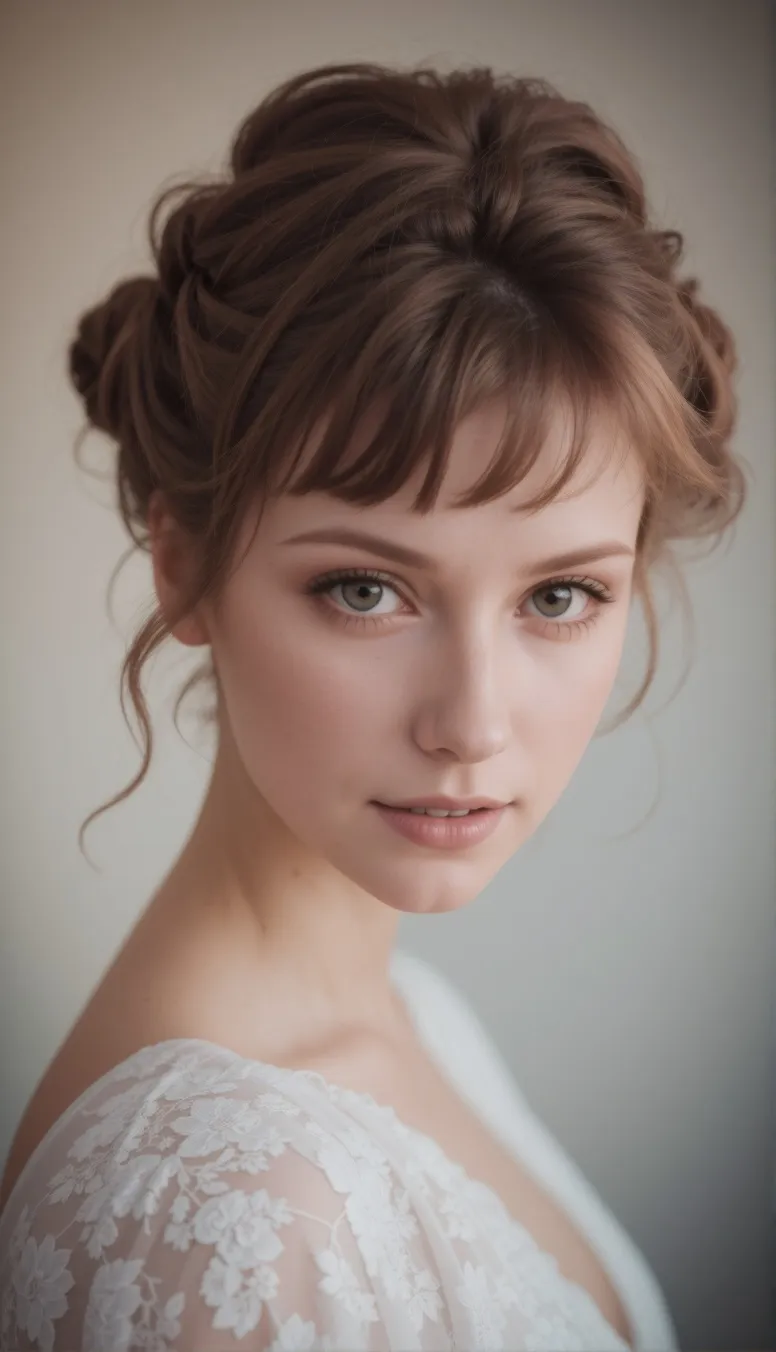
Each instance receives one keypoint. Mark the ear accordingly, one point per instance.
(171, 559)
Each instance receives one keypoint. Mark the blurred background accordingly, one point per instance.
(624, 961)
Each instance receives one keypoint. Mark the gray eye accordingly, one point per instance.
(559, 596)
(363, 594)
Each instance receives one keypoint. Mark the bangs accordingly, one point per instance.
(421, 372)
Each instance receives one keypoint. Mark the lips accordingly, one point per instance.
(436, 811)
(446, 833)
(448, 804)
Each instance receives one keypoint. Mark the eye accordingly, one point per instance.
(558, 597)
(559, 592)
(363, 589)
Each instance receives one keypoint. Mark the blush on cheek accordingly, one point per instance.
(561, 729)
(297, 723)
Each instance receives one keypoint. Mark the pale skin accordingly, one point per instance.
(289, 890)
(273, 930)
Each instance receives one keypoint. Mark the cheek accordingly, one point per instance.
(301, 708)
(561, 724)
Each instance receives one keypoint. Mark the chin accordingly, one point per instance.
(427, 886)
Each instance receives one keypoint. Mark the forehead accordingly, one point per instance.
(608, 483)
(610, 470)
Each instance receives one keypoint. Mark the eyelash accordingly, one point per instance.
(321, 585)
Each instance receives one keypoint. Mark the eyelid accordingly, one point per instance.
(335, 575)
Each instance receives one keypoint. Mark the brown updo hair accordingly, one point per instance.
(422, 243)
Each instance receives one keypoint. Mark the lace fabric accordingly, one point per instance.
(193, 1199)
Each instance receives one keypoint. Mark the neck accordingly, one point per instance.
(259, 933)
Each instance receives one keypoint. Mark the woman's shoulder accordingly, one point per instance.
(136, 1093)
(73, 1095)
(158, 1205)
(100, 1051)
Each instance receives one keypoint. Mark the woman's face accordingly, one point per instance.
(465, 675)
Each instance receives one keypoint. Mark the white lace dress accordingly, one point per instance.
(193, 1199)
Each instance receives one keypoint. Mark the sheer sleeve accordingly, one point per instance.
(266, 1261)
(204, 1211)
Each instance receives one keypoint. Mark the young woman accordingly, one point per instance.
(412, 407)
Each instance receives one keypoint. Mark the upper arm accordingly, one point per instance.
(199, 1221)
(269, 1261)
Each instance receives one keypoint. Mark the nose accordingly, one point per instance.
(466, 715)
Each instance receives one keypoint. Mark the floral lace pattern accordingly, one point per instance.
(206, 1202)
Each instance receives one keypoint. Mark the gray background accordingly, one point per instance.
(624, 959)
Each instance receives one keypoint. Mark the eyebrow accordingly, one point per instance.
(412, 558)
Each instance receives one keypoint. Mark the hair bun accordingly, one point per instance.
(95, 353)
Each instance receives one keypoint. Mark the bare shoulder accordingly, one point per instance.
(94, 1045)
(124, 1013)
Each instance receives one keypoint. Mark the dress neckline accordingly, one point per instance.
(339, 1095)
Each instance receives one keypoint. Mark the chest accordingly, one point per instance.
(424, 1100)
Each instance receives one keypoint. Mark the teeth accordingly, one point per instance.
(441, 812)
